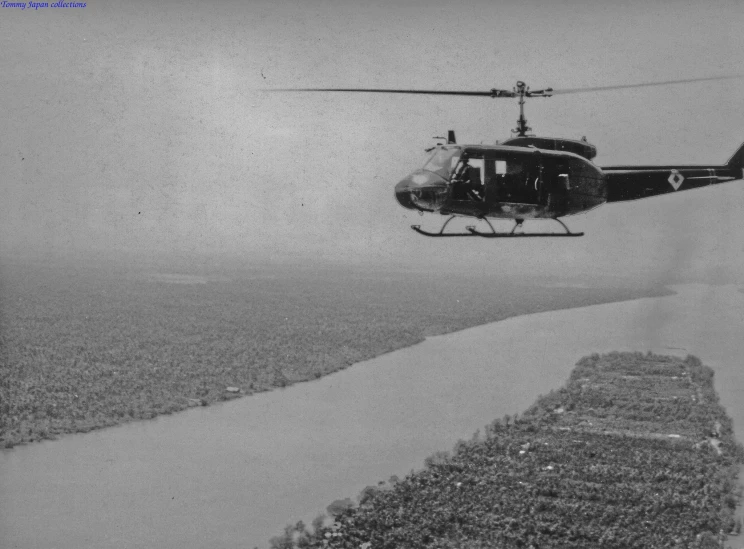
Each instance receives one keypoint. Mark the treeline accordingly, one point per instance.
(635, 451)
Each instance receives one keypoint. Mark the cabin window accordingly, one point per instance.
(477, 164)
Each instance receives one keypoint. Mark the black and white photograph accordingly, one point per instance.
(345, 274)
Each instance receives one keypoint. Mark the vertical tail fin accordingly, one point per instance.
(736, 162)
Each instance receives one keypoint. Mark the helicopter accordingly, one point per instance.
(530, 177)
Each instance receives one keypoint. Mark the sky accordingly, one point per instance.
(145, 129)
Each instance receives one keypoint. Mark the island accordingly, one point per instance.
(634, 451)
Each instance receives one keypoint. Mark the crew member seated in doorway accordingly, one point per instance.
(475, 185)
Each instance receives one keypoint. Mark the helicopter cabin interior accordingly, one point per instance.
(478, 175)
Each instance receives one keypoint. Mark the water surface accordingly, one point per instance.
(232, 475)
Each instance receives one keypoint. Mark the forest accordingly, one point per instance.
(634, 451)
(89, 347)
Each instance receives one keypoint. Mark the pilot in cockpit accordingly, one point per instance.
(467, 181)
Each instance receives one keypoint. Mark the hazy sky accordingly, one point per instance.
(141, 127)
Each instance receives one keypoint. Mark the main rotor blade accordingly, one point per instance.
(643, 85)
(491, 93)
(510, 93)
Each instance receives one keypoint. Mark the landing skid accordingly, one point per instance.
(513, 234)
(441, 232)
(494, 234)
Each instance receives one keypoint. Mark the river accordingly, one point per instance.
(234, 474)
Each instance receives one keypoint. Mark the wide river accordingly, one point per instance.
(233, 475)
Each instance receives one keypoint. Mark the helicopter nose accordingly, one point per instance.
(403, 195)
(422, 190)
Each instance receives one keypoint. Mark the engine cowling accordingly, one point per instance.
(582, 148)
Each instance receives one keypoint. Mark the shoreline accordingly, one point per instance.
(48, 428)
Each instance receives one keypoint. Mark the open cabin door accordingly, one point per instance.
(511, 178)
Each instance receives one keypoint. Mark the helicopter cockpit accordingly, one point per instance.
(463, 171)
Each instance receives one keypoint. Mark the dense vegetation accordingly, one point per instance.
(84, 349)
(635, 451)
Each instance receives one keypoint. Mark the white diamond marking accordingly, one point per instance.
(676, 179)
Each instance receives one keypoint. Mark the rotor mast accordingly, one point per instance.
(521, 90)
(522, 127)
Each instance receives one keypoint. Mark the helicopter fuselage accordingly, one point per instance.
(503, 181)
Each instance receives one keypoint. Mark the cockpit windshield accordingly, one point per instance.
(443, 160)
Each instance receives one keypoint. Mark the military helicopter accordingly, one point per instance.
(530, 177)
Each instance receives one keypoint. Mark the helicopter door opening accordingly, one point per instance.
(468, 179)
(514, 180)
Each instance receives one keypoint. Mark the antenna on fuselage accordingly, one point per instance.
(451, 140)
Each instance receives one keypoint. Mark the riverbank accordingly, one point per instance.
(634, 451)
(87, 350)
(232, 475)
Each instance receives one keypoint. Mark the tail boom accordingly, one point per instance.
(636, 182)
